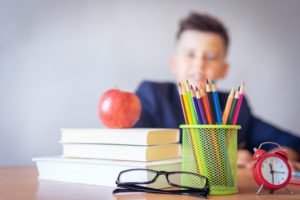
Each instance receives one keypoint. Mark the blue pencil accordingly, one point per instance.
(216, 103)
(222, 135)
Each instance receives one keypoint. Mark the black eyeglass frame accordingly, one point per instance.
(137, 188)
(158, 173)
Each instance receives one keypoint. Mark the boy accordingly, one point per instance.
(202, 43)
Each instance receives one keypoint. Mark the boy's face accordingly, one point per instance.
(199, 56)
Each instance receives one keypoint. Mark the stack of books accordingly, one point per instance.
(97, 156)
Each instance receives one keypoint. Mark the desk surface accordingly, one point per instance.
(22, 183)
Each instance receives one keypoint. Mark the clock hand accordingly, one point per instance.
(278, 172)
(272, 172)
(271, 167)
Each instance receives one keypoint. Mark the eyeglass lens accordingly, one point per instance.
(181, 178)
(139, 176)
(187, 180)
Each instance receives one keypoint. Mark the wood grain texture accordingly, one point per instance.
(22, 183)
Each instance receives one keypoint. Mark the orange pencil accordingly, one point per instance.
(228, 106)
(182, 103)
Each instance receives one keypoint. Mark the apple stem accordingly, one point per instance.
(117, 87)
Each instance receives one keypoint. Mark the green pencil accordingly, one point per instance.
(234, 102)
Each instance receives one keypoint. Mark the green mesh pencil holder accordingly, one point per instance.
(211, 150)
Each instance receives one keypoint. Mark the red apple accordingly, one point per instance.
(119, 109)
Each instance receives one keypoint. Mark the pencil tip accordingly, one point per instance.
(212, 82)
(207, 81)
(191, 87)
(187, 81)
(196, 88)
(179, 84)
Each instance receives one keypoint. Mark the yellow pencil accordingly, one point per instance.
(190, 101)
(228, 106)
(196, 146)
(186, 104)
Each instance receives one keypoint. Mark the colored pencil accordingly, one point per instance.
(235, 99)
(196, 106)
(186, 105)
(216, 102)
(182, 104)
(194, 142)
(201, 107)
(228, 106)
(190, 101)
(210, 100)
(213, 142)
(221, 134)
(206, 105)
(238, 105)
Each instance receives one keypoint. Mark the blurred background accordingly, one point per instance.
(57, 57)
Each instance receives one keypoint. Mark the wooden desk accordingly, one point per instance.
(22, 183)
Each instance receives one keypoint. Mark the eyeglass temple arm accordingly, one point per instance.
(138, 188)
(119, 190)
(196, 194)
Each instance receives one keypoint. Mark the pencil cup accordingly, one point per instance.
(211, 150)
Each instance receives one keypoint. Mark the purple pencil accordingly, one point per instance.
(201, 106)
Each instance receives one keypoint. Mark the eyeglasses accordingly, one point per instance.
(189, 183)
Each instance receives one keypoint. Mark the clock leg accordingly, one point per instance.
(271, 192)
(291, 193)
(259, 189)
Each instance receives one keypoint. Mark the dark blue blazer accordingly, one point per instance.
(161, 109)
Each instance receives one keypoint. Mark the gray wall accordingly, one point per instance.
(57, 57)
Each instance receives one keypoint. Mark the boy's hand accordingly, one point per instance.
(295, 165)
(244, 158)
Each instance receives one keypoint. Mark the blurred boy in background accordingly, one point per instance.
(200, 54)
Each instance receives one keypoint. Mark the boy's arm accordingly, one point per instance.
(292, 154)
(146, 96)
(261, 131)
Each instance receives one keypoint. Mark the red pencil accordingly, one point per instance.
(210, 102)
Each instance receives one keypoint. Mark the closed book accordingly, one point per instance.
(122, 152)
(98, 172)
(131, 136)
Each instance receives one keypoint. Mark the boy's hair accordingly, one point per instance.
(204, 23)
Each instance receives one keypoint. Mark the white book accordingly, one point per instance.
(122, 152)
(98, 172)
(130, 136)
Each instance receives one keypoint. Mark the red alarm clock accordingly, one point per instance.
(271, 170)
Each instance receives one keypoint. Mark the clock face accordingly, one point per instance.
(274, 170)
